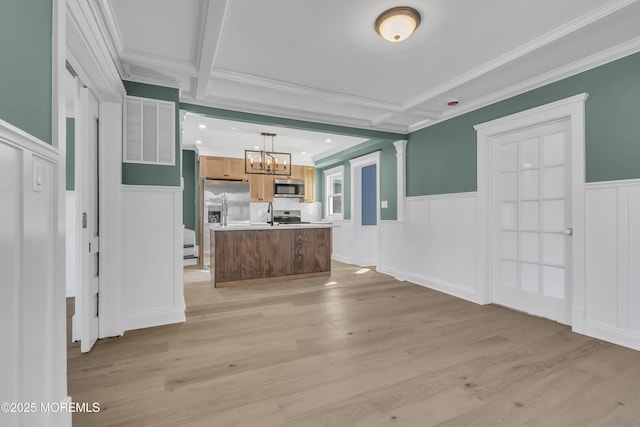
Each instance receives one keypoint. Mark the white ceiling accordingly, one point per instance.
(230, 138)
(323, 60)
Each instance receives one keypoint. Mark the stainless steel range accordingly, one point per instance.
(288, 217)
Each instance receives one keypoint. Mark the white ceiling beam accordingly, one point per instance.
(213, 25)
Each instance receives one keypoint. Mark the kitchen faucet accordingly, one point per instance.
(270, 212)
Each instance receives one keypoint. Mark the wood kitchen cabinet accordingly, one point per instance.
(297, 173)
(309, 176)
(222, 168)
(261, 187)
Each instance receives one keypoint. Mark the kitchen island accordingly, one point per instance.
(249, 254)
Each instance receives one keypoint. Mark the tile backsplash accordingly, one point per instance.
(309, 211)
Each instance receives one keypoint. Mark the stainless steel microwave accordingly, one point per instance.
(288, 188)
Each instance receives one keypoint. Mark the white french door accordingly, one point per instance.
(531, 220)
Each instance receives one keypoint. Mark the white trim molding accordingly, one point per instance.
(401, 187)
(570, 108)
(365, 238)
(32, 293)
(440, 246)
(611, 270)
(338, 170)
(152, 257)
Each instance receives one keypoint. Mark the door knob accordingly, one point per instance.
(568, 231)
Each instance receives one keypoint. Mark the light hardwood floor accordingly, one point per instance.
(355, 349)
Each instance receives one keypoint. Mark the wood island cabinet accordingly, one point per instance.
(245, 256)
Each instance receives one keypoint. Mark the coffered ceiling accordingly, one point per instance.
(323, 60)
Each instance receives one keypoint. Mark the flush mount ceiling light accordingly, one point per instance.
(398, 23)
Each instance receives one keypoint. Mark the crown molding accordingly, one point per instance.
(154, 80)
(133, 57)
(601, 58)
(85, 44)
(110, 30)
(303, 90)
(549, 37)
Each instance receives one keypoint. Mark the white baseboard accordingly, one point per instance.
(190, 261)
(616, 336)
(459, 291)
(156, 317)
(341, 258)
(392, 271)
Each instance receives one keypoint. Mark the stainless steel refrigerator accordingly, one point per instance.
(236, 193)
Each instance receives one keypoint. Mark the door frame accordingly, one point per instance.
(81, 325)
(356, 205)
(571, 108)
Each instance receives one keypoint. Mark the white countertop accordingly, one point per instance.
(265, 226)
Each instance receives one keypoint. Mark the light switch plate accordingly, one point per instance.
(384, 204)
(38, 179)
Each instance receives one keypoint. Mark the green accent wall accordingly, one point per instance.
(25, 68)
(141, 174)
(388, 174)
(442, 158)
(71, 154)
(189, 195)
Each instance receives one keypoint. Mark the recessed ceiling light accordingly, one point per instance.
(256, 148)
(202, 126)
(304, 153)
(198, 142)
(327, 140)
(232, 128)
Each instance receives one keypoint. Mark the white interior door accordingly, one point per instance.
(532, 242)
(87, 293)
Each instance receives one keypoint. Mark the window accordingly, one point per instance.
(334, 188)
(149, 131)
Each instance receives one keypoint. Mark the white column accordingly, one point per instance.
(401, 159)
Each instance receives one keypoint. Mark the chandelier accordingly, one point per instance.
(267, 162)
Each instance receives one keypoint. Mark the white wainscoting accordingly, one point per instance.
(32, 293)
(153, 289)
(391, 249)
(70, 206)
(342, 241)
(612, 268)
(440, 244)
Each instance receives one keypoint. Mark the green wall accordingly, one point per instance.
(388, 174)
(71, 154)
(189, 196)
(442, 158)
(25, 68)
(141, 174)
